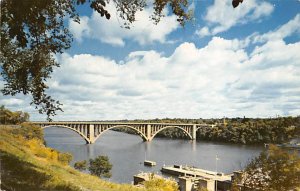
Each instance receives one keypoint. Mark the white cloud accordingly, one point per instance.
(11, 102)
(79, 30)
(142, 31)
(204, 31)
(221, 16)
(219, 79)
(282, 32)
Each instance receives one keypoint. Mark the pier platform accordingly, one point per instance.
(195, 172)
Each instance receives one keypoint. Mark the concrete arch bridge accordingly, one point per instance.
(91, 131)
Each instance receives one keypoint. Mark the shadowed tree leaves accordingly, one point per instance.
(33, 31)
(100, 166)
(80, 165)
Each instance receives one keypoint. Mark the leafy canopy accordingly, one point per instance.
(80, 165)
(273, 170)
(12, 117)
(100, 166)
(33, 31)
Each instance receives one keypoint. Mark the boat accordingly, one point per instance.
(149, 163)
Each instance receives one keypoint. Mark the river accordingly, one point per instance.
(127, 152)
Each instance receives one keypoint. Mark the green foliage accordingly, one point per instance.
(100, 166)
(250, 131)
(65, 158)
(10, 117)
(29, 131)
(273, 170)
(160, 184)
(80, 165)
(236, 130)
(32, 32)
(172, 133)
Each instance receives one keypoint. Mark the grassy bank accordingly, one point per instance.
(26, 164)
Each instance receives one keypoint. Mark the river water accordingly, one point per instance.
(128, 152)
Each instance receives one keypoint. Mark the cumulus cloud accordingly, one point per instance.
(221, 16)
(219, 79)
(282, 32)
(143, 31)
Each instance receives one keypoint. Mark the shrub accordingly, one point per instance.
(65, 158)
(160, 184)
(80, 165)
(29, 131)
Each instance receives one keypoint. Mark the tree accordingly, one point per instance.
(11, 117)
(5, 115)
(273, 170)
(65, 158)
(236, 3)
(100, 166)
(80, 165)
(33, 31)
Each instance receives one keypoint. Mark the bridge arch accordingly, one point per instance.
(64, 126)
(187, 133)
(199, 127)
(142, 135)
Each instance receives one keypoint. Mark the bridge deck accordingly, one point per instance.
(117, 123)
(91, 130)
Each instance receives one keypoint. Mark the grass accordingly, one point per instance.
(22, 168)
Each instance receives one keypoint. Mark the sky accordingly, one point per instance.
(224, 62)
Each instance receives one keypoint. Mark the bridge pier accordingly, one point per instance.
(148, 132)
(91, 134)
(194, 129)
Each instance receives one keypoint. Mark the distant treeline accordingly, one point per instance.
(235, 130)
(252, 131)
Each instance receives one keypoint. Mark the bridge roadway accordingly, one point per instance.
(91, 131)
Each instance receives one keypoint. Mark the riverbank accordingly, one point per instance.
(26, 165)
(246, 131)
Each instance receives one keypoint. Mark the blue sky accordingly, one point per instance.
(226, 62)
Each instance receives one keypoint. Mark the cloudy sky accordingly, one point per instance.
(225, 62)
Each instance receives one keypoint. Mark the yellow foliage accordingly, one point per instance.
(53, 155)
(65, 158)
(38, 148)
(47, 173)
(33, 144)
(160, 184)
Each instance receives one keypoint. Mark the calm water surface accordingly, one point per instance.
(127, 152)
